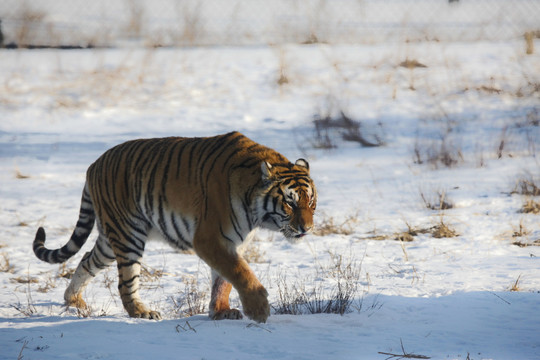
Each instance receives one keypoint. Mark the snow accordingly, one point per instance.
(446, 298)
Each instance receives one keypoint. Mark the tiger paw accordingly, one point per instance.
(256, 306)
(231, 314)
(76, 301)
(138, 310)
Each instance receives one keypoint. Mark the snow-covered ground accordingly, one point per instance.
(478, 104)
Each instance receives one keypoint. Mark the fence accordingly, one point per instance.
(255, 22)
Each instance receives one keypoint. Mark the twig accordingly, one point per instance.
(492, 293)
(404, 355)
(187, 326)
(20, 357)
(257, 326)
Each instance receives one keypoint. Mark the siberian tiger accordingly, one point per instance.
(204, 194)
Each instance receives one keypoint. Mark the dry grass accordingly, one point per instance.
(521, 234)
(439, 230)
(149, 274)
(442, 230)
(412, 64)
(515, 286)
(192, 300)
(301, 298)
(527, 185)
(50, 283)
(529, 42)
(405, 236)
(524, 244)
(253, 254)
(443, 152)
(408, 236)
(24, 280)
(283, 79)
(27, 309)
(329, 226)
(520, 231)
(5, 265)
(21, 176)
(64, 271)
(438, 201)
(531, 207)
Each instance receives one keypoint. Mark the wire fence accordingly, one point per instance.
(255, 22)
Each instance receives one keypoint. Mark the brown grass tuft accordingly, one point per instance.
(521, 230)
(531, 207)
(437, 202)
(441, 230)
(408, 236)
(21, 176)
(529, 42)
(411, 64)
(328, 226)
(524, 244)
(64, 272)
(5, 266)
(515, 287)
(526, 186)
(25, 280)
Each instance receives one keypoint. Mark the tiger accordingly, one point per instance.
(207, 195)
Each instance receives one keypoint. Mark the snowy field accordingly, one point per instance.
(458, 126)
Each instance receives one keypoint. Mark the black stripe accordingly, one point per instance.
(184, 243)
(225, 236)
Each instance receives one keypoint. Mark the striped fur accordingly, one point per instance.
(201, 194)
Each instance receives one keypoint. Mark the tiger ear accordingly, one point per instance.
(303, 163)
(266, 170)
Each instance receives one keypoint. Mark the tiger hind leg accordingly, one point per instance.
(128, 258)
(100, 257)
(219, 308)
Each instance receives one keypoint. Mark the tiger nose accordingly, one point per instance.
(305, 228)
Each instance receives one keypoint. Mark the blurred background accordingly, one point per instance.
(101, 23)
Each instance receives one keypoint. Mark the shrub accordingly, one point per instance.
(302, 298)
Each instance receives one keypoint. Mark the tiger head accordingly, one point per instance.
(289, 200)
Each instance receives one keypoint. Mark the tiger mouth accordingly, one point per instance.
(291, 234)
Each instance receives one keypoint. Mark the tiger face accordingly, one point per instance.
(290, 199)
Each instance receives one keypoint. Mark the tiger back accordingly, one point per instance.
(201, 194)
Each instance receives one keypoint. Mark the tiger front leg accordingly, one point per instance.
(255, 303)
(232, 267)
(219, 308)
(253, 295)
